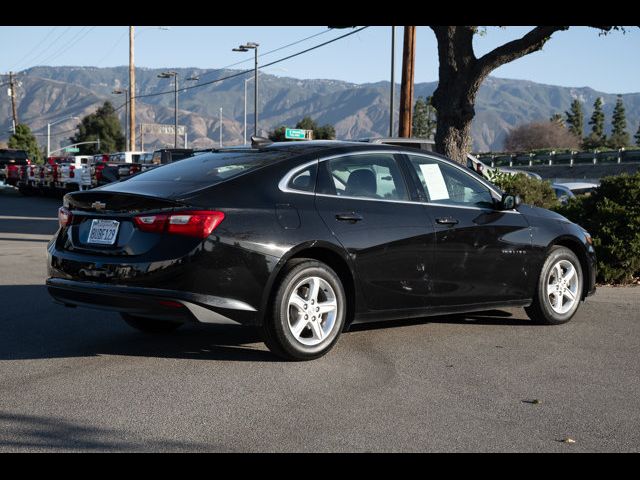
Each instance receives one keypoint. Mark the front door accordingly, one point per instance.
(482, 254)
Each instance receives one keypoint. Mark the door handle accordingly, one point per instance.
(351, 217)
(447, 221)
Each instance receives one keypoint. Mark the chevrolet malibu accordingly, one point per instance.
(304, 239)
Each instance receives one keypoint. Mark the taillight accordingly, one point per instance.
(151, 223)
(198, 223)
(64, 217)
(99, 169)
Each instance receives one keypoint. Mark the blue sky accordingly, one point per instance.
(577, 57)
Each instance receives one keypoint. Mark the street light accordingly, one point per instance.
(245, 48)
(175, 104)
(125, 91)
(49, 131)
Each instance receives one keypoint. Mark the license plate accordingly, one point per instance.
(103, 232)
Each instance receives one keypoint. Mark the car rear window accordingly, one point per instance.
(210, 168)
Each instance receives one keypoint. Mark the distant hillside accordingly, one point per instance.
(356, 110)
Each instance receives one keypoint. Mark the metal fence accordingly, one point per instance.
(564, 158)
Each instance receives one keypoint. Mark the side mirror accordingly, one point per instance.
(509, 202)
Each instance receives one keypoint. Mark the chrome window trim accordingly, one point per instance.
(283, 184)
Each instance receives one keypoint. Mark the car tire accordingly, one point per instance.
(301, 324)
(559, 288)
(149, 325)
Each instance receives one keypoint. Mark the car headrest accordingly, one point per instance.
(361, 182)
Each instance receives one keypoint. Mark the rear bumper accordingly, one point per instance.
(154, 303)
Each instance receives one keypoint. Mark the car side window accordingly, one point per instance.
(304, 181)
(449, 185)
(374, 175)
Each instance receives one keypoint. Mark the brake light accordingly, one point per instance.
(64, 217)
(197, 223)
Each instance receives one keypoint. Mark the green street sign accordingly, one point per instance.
(72, 150)
(295, 134)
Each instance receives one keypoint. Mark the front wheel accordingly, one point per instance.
(308, 311)
(559, 289)
(149, 325)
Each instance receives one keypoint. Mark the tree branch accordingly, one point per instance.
(532, 41)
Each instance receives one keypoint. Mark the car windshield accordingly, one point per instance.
(210, 168)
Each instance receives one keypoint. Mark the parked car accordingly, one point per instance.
(10, 162)
(305, 239)
(566, 190)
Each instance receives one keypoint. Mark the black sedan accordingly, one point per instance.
(304, 239)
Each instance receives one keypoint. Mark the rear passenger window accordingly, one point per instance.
(375, 176)
(304, 181)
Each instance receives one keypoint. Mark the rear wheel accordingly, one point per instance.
(149, 325)
(559, 288)
(308, 312)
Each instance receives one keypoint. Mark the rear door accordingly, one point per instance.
(363, 199)
(482, 254)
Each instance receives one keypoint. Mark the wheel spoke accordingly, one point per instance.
(317, 330)
(558, 271)
(570, 295)
(298, 302)
(314, 289)
(570, 273)
(326, 307)
(299, 327)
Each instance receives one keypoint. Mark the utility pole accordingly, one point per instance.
(13, 101)
(393, 81)
(221, 126)
(175, 115)
(406, 88)
(132, 98)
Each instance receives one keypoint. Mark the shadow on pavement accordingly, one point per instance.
(33, 327)
(20, 432)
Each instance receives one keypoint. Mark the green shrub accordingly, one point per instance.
(531, 190)
(612, 217)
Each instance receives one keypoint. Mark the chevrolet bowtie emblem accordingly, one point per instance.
(98, 205)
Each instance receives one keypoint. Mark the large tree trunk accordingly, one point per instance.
(454, 102)
(455, 96)
(460, 75)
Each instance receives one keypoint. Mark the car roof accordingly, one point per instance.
(573, 185)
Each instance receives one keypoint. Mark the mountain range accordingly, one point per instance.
(48, 94)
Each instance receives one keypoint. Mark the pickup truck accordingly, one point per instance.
(10, 163)
(76, 175)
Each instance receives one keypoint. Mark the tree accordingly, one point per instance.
(23, 139)
(461, 73)
(424, 119)
(325, 132)
(637, 136)
(538, 135)
(597, 138)
(619, 135)
(557, 118)
(103, 124)
(575, 118)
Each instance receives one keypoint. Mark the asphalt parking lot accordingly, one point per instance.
(82, 380)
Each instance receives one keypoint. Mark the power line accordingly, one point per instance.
(252, 70)
(43, 53)
(113, 48)
(72, 43)
(271, 51)
(24, 57)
